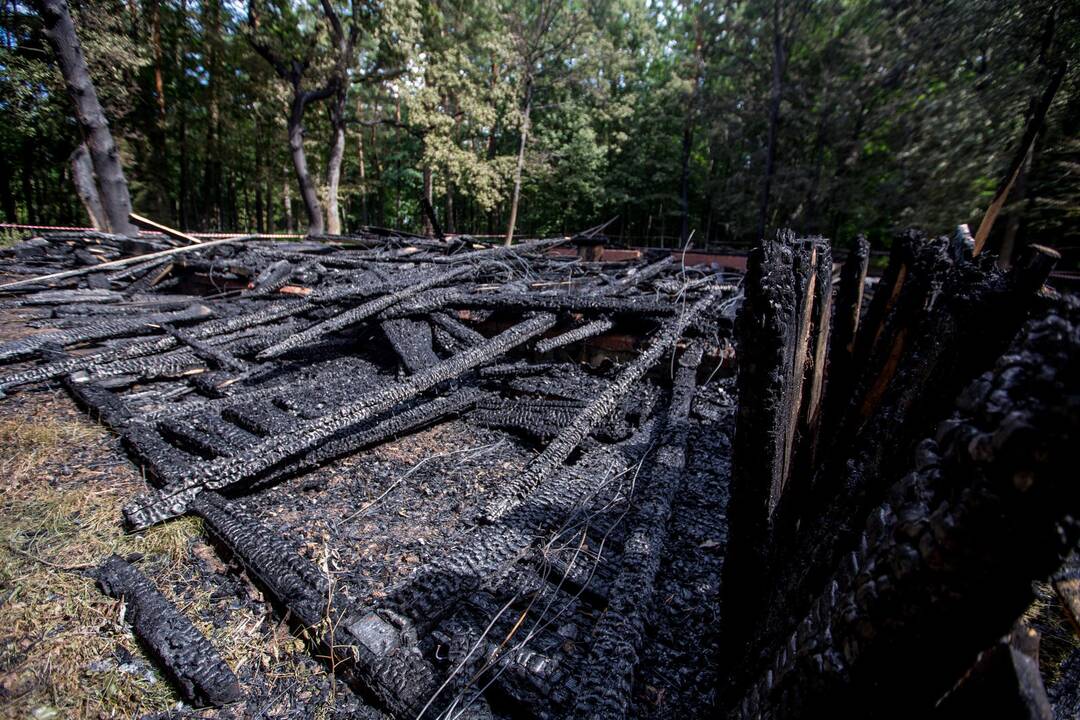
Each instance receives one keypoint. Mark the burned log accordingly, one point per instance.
(190, 660)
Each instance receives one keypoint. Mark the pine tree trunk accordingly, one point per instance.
(333, 163)
(520, 162)
(113, 187)
(364, 219)
(684, 183)
(287, 200)
(8, 197)
(82, 174)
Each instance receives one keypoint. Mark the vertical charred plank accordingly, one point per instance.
(766, 329)
(847, 310)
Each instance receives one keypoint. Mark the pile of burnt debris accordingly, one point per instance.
(897, 465)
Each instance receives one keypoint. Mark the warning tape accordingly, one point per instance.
(17, 226)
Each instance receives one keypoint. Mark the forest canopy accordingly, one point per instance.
(721, 119)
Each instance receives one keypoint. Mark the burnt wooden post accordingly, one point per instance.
(945, 564)
(847, 311)
(774, 328)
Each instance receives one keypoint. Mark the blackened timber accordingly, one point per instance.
(411, 339)
(27, 346)
(559, 449)
(637, 275)
(276, 311)
(988, 508)
(608, 674)
(510, 300)
(847, 311)
(200, 673)
(596, 327)
(433, 589)
(358, 314)
(500, 251)
(226, 472)
(766, 335)
(974, 317)
(458, 329)
(541, 418)
(394, 423)
(221, 360)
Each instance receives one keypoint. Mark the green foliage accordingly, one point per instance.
(891, 114)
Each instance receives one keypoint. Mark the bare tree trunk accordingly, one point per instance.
(8, 197)
(82, 174)
(684, 182)
(333, 163)
(308, 193)
(211, 190)
(287, 200)
(113, 187)
(364, 219)
(427, 228)
(520, 162)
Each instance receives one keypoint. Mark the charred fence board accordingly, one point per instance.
(952, 552)
(200, 674)
(975, 315)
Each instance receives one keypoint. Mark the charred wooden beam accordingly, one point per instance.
(28, 346)
(608, 674)
(596, 327)
(361, 313)
(411, 339)
(226, 472)
(431, 591)
(371, 652)
(200, 673)
(543, 419)
(559, 449)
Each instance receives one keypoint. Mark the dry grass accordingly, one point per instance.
(61, 492)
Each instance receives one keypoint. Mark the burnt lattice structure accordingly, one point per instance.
(544, 445)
